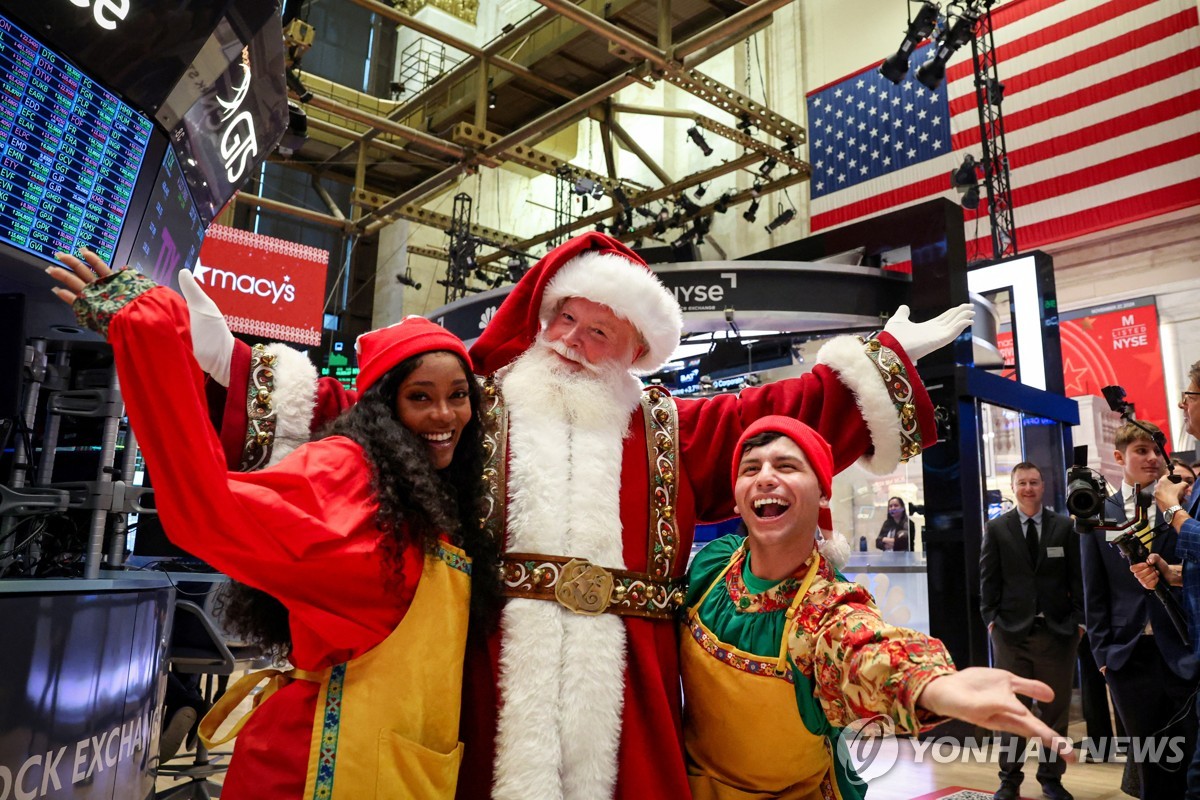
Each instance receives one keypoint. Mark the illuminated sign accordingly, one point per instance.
(265, 286)
(107, 13)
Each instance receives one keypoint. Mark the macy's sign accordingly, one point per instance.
(218, 278)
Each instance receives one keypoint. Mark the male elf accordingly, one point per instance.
(780, 651)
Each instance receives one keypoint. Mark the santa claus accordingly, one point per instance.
(596, 486)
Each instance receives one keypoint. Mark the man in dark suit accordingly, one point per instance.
(1142, 657)
(1032, 601)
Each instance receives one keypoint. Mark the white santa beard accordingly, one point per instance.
(562, 674)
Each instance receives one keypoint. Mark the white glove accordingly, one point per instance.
(212, 343)
(919, 339)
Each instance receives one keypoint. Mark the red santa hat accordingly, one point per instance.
(380, 350)
(595, 267)
(815, 449)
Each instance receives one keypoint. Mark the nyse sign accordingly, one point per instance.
(107, 13)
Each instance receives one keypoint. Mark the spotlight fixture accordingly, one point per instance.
(970, 198)
(995, 91)
(965, 175)
(966, 182)
(647, 213)
(696, 136)
(895, 66)
(491, 99)
(722, 204)
(407, 279)
(756, 190)
(700, 190)
(933, 72)
(783, 219)
(517, 267)
(597, 190)
(765, 167)
(750, 212)
(480, 275)
(583, 186)
(789, 145)
(700, 228)
(497, 281)
(689, 206)
(744, 124)
(600, 228)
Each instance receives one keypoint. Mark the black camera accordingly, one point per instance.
(1086, 490)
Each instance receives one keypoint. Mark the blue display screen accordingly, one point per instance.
(70, 152)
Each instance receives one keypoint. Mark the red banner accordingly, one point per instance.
(1112, 344)
(265, 286)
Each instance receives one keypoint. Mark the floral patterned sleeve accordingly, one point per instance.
(862, 666)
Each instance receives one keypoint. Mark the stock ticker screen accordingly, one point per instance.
(70, 152)
(171, 231)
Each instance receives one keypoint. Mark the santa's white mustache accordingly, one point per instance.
(569, 353)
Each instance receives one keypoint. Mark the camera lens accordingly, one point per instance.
(1083, 498)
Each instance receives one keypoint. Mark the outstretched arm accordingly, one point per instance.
(988, 698)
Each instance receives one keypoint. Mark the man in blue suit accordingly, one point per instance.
(1184, 517)
(1148, 666)
(1031, 597)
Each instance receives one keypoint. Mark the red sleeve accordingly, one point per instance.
(302, 530)
(844, 398)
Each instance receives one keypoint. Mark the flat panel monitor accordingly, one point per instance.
(170, 232)
(70, 152)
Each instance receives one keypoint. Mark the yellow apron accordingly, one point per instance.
(386, 724)
(739, 709)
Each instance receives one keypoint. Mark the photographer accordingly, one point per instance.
(1184, 521)
(1147, 665)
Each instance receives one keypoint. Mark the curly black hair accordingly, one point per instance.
(416, 504)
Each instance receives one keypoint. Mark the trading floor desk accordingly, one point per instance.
(82, 670)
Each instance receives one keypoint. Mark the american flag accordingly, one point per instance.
(1102, 123)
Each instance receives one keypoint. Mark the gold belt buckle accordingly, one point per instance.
(583, 587)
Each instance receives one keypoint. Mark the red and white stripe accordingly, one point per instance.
(1102, 122)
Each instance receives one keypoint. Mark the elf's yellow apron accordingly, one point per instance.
(744, 735)
(386, 724)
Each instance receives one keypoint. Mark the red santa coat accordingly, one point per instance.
(303, 530)
(845, 398)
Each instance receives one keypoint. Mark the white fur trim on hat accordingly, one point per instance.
(631, 291)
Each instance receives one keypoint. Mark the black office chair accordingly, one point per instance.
(200, 647)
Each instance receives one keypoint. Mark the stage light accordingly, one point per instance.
(750, 212)
(517, 267)
(933, 72)
(480, 275)
(966, 181)
(722, 204)
(765, 167)
(600, 227)
(598, 190)
(965, 175)
(970, 198)
(700, 190)
(583, 186)
(995, 91)
(895, 66)
(647, 213)
(696, 136)
(688, 204)
(756, 190)
(407, 279)
(744, 124)
(783, 219)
